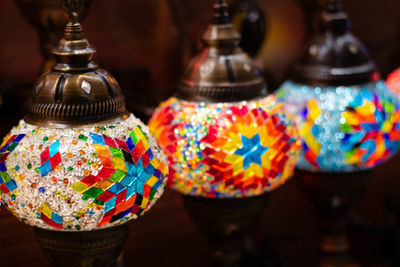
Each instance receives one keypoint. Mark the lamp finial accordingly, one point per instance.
(221, 15)
(73, 7)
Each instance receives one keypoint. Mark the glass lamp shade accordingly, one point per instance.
(393, 82)
(226, 150)
(343, 128)
(81, 178)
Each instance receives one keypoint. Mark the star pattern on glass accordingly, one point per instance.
(251, 150)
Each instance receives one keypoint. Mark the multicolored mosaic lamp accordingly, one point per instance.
(79, 161)
(348, 119)
(227, 142)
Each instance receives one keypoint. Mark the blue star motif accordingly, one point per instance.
(251, 151)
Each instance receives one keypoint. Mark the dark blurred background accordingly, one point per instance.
(145, 44)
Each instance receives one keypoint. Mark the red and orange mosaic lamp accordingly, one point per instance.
(224, 136)
(227, 140)
(393, 82)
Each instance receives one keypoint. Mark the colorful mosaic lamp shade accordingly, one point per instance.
(348, 119)
(79, 160)
(223, 137)
(393, 82)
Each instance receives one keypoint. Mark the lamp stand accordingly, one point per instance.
(97, 248)
(334, 195)
(226, 223)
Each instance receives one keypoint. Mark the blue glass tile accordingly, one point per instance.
(11, 185)
(45, 168)
(97, 139)
(54, 148)
(3, 167)
(116, 188)
(56, 218)
(110, 204)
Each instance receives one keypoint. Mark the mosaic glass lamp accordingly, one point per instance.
(78, 161)
(227, 142)
(347, 117)
(348, 120)
(393, 82)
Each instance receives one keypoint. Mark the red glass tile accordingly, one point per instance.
(106, 173)
(4, 189)
(91, 180)
(55, 160)
(122, 145)
(109, 141)
(44, 156)
(4, 157)
(106, 196)
(145, 159)
(121, 197)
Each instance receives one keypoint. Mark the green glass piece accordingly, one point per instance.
(5, 176)
(152, 193)
(134, 137)
(116, 152)
(82, 137)
(93, 192)
(12, 147)
(117, 176)
(99, 202)
(345, 128)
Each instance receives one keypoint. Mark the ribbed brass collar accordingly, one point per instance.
(221, 72)
(76, 92)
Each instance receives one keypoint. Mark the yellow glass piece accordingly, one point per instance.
(234, 158)
(46, 210)
(309, 139)
(229, 147)
(144, 203)
(247, 130)
(104, 184)
(102, 150)
(139, 134)
(253, 170)
(350, 118)
(271, 154)
(119, 164)
(238, 167)
(80, 187)
(152, 181)
(265, 162)
(387, 127)
(354, 159)
(315, 112)
(235, 139)
(265, 139)
(366, 109)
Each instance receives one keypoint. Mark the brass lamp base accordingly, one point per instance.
(98, 248)
(334, 195)
(226, 223)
